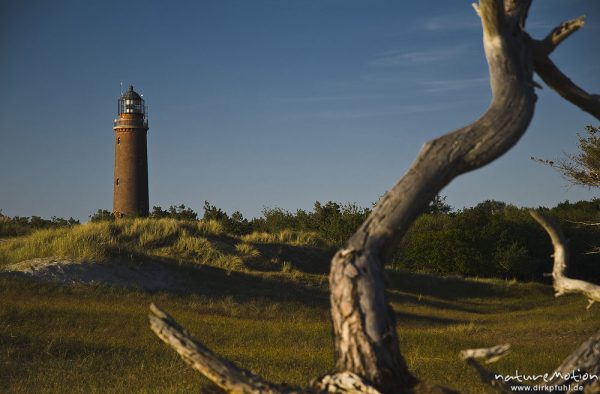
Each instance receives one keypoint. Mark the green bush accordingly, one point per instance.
(21, 225)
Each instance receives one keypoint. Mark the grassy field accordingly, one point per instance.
(76, 338)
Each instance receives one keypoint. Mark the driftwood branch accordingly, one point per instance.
(488, 355)
(221, 372)
(563, 284)
(343, 382)
(554, 77)
(234, 379)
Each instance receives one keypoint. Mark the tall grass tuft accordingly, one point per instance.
(247, 250)
(290, 237)
(94, 241)
(211, 227)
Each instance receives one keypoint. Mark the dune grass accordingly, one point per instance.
(289, 237)
(199, 242)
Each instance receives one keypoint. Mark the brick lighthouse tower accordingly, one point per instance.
(131, 157)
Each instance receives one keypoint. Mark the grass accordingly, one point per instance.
(259, 302)
(96, 339)
(199, 242)
(289, 237)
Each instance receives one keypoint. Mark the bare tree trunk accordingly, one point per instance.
(368, 357)
(364, 327)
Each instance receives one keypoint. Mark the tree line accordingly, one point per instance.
(491, 239)
(21, 225)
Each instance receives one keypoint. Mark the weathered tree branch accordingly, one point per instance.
(234, 379)
(343, 382)
(368, 358)
(559, 34)
(563, 284)
(586, 358)
(555, 78)
(364, 327)
(488, 355)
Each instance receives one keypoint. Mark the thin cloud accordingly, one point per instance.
(454, 84)
(451, 22)
(338, 97)
(397, 58)
(360, 113)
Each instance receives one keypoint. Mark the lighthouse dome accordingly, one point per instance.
(131, 102)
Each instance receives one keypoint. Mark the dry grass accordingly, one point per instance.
(92, 339)
(289, 237)
(247, 250)
(133, 239)
(193, 242)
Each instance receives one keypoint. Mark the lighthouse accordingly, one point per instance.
(131, 156)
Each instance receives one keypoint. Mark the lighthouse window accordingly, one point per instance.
(118, 140)
(117, 182)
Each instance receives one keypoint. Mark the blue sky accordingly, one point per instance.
(266, 103)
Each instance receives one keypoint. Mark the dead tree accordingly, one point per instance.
(585, 359)
(368, 357)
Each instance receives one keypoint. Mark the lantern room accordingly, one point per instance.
(131, 102)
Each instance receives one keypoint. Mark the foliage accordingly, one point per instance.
(234, 224)
(494, 239)
(21, 225)
(582, 168)
(177, 212)
(102, 215)
(438, 206)
(333, 222)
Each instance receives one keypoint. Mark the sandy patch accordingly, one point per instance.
(147, 276)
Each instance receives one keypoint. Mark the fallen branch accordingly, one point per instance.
(221, 372)
(562, 284)
(234, 379)
(489, 355)
(585, 360)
